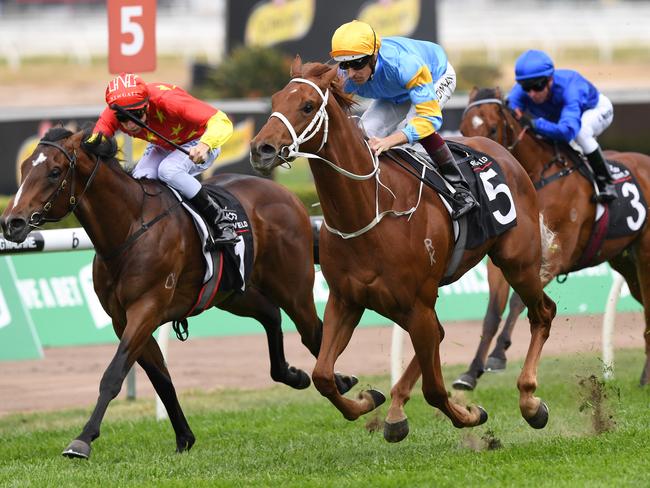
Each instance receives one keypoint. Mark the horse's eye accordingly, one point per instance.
(308, 108)
(54, 174)
(493, 132)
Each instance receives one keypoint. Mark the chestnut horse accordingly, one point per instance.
(376, 254)
(565, 198)
(148, 268)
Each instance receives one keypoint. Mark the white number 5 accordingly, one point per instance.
(492, 193)
(131, 27)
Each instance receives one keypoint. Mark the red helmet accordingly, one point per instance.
(128, 91)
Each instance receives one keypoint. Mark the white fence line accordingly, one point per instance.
(76, 239)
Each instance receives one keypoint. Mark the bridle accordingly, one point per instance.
(507, 127)
(321, 119)
(39, 217)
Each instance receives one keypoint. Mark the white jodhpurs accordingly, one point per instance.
(593, 123)
(174, 168)
(384, 117)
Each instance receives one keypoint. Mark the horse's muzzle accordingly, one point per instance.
(263, 157)
(15, 229)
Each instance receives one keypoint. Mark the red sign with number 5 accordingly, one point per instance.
(131, 35)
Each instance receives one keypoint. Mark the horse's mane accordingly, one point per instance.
(317, 70)
(56, 134)
(105, 147)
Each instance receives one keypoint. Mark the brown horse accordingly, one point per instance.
(565, 197)
(374, 257)
(148, 268)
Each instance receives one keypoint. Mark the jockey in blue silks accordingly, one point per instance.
(410, 81)
(565, 107)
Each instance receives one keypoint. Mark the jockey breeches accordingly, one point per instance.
(174, 168)
(383, 117)
(593, 122)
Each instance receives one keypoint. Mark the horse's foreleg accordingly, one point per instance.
(141, 322)
(153, 363)
(396, 423)
(425, 332)
(256, 305)
(499, 290)
(497, 359)
(339, 323)
(642, 261)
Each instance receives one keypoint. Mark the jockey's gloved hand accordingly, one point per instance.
(527, 122)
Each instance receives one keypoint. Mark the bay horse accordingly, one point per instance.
(149, 268)
(565, 198)
(376, 255)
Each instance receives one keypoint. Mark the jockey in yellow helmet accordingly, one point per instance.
(410, 81)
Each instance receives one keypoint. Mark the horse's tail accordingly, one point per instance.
(549, 247)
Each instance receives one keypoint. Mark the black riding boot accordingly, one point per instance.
(213, 213)
(463, 200)
(606, 191)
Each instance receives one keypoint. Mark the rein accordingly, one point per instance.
(321, 119)
(37, 217)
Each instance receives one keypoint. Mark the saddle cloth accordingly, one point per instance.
(228, 267)
(487, 183)
(621, 217)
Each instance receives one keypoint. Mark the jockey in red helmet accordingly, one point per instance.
(184, 120)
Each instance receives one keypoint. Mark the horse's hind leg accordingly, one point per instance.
(541, 311)
(642, 261)
(254, 304)
(153, 363)
(499, 290)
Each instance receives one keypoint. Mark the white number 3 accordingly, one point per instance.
(629, 189)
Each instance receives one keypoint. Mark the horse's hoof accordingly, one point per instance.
(540, 419)
(396, 431)
(465, 382)
(483, 415)
(494, 364)
(77, 449)
(345, 383)
(378, 398)
(298, 379)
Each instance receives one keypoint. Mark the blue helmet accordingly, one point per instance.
(533, 64)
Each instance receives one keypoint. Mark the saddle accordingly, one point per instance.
(228, 268)
(621, 217)
(487, 183)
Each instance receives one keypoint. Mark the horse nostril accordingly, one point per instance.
(15, 225)
(267, 150)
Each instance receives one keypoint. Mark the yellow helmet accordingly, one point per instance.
(354, 40)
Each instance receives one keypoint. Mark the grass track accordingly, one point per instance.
(280, 437)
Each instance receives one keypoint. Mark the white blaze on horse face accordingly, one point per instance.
(477, 122)
(39, 160)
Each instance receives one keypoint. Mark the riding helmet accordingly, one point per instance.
(533, 64)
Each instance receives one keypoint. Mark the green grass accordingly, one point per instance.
(280, 437)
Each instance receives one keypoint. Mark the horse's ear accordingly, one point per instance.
(498, 92)
(329, 75)
(473, 92)
(296, 67)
